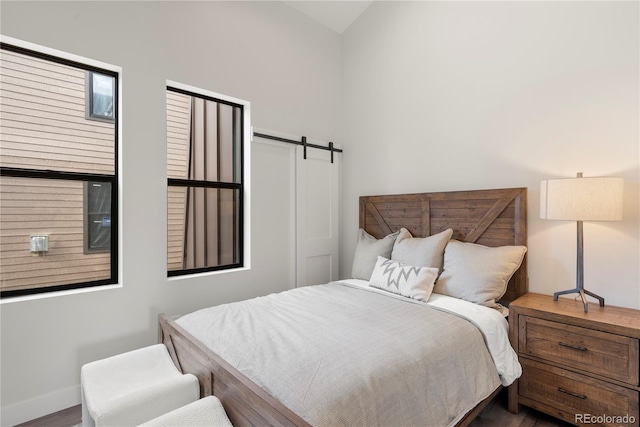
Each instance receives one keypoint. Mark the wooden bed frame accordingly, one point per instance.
(487, 217)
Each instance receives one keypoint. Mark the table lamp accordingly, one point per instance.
(581, 199)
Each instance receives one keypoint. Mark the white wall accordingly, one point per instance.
(433, 96)
(286, 65)
(443, 96)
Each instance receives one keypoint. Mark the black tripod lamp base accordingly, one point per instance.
(582, 293)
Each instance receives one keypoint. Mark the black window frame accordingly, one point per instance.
(240, 186)
(113, 179)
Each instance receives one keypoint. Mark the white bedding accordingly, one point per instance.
(296, 346)
(491, 322)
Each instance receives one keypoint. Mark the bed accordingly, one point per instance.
(254, 391)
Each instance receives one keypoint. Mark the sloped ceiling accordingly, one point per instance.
(337, 15)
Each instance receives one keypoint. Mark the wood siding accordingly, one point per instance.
(42, 116)
(42, 111)
(178, 125)
(54, 208)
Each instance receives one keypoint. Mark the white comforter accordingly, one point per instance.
(346, 355)
(491, 322)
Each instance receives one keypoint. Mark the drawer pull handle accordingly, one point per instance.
(570, 393)
(575, 347)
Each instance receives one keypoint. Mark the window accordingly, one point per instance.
(58, 171)
(208, 138)
(97, 219)
(99, 96)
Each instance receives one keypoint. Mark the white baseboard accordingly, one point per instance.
(40, 406)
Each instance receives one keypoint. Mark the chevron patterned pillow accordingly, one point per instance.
(406, 280)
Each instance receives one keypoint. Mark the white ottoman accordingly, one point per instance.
(206, 412)
(131, 388)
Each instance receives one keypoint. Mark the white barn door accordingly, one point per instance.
(273, 231)
(317, 211)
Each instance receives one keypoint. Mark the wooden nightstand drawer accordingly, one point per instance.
(577, 365)
(571, 394)
(612, 356)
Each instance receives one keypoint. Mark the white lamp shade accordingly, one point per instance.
(582, 199)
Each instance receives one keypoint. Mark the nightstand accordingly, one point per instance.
(576, 366)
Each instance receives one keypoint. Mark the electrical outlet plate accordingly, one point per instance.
(39, 243)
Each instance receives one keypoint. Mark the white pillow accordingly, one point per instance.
(406, 280)
(368, 248)
(421, 251)
(478, 273)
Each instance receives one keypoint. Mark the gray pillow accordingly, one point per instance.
(478, 273)
(421, 251)
(368, 249)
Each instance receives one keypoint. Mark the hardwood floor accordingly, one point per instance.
(495, 414)
(69, 417)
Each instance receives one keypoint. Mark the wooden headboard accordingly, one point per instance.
(486, 217)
